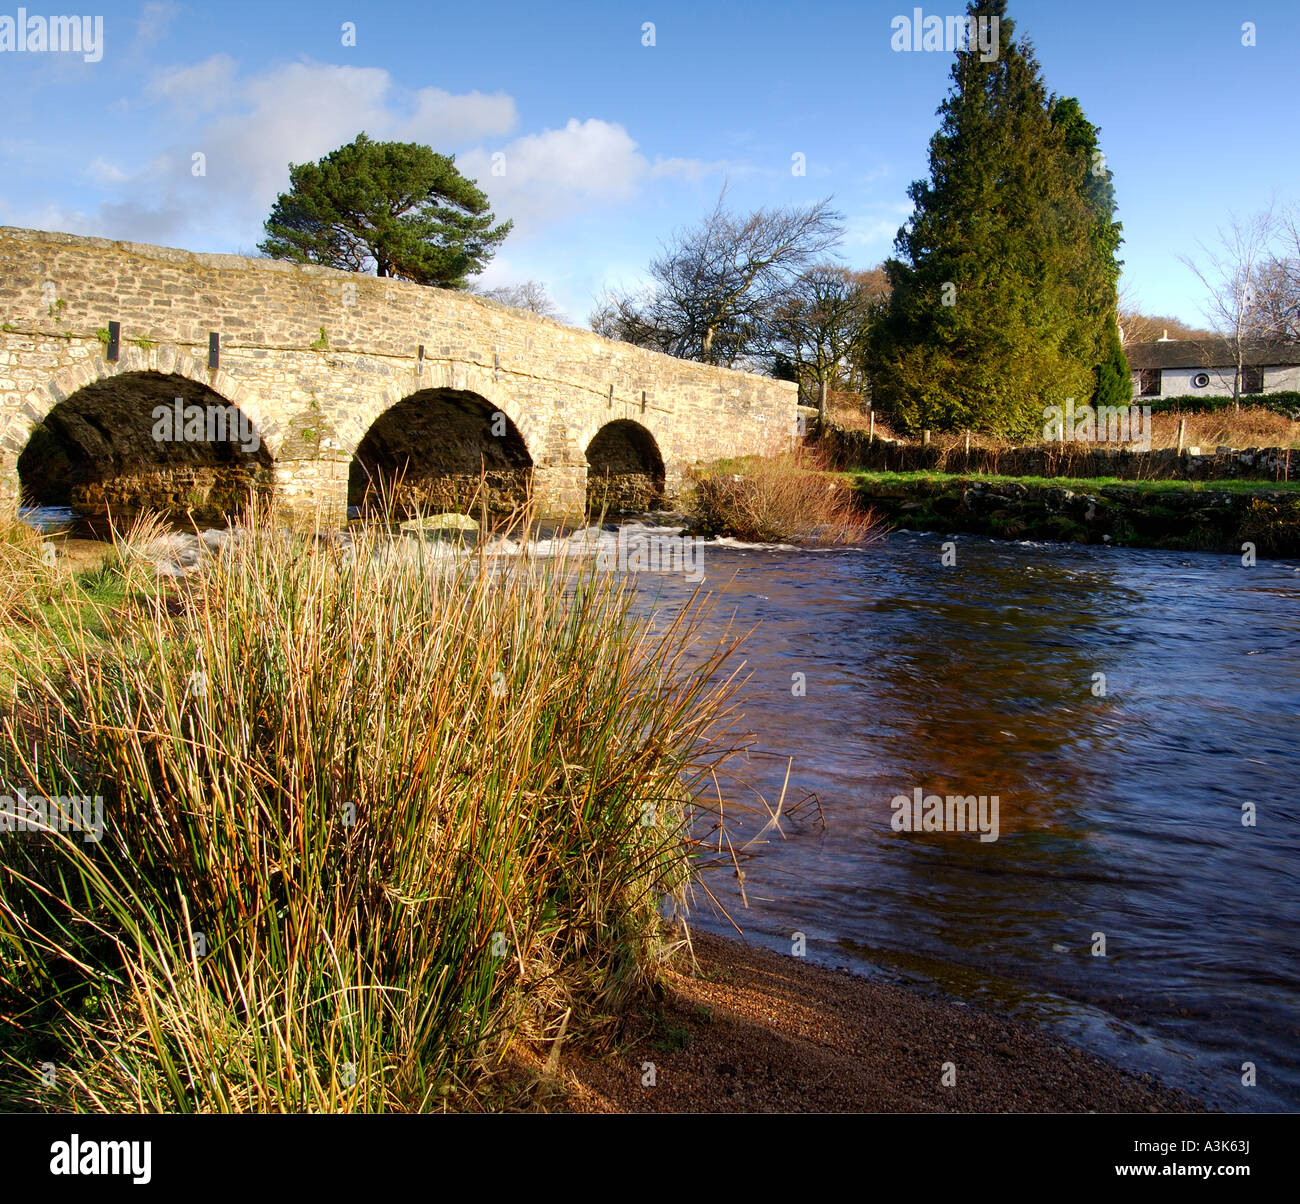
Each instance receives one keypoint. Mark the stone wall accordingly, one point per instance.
(314, 356)
(1266, 522)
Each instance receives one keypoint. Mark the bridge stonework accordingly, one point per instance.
(313, 357)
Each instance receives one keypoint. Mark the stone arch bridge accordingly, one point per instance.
(329, 384)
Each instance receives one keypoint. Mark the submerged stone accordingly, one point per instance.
(440, 524)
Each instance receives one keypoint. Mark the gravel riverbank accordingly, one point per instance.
(751, 1031)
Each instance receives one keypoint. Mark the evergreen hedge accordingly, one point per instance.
(1286, 402)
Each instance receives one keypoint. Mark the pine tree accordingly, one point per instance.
(996, 295)
(395, 208)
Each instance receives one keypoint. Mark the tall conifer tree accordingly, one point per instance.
(999, 294)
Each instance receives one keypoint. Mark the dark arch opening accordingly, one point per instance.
(432, 449)
(625, 472)
(145, 441)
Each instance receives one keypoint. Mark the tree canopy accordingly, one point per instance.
(393, 208)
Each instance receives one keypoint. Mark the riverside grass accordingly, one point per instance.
(31, 583)
(789, 496)
(369, 817)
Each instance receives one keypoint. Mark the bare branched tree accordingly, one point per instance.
(716, 284)
(530, 295)
(1228, 271)
(1276, 313)
(820, 325)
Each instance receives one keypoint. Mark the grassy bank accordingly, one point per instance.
(38, 593)
(1251, 426)
(366, 818)
(1086, 484)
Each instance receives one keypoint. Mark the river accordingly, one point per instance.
(1120, 813)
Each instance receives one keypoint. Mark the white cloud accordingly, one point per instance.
(590, 159)
(205, 85)
(864, 230)
(299, 112)
(249, 128)
(104, 172)
(54, 216)
(695, 170)
(883, 172)
(155, 20)
(167, 224)
(586, 165)
(293, 114)
(874, 231)
(442, 117)
(128, 221)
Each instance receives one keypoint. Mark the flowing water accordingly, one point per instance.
(1120, 813)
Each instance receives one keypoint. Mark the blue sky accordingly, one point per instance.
(610, 144)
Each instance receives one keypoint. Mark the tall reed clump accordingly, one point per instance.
(23, 570)
(368, 813)
(790, 497)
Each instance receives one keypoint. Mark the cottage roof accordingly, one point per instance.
(1208, 353)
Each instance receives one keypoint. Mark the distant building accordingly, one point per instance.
(1178, 367)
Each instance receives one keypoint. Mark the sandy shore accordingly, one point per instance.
(752, 1031)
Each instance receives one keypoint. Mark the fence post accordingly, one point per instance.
(1182, 430)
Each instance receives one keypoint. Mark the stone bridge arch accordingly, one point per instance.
(442, 449)
(353, 427)
(166, 359)
(154, 430)
(556, 461)
(625, 468)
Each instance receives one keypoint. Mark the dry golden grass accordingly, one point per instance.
(410, 803)
(1255, 427)
(790, 497)
(846, 414)
(1252, 427)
